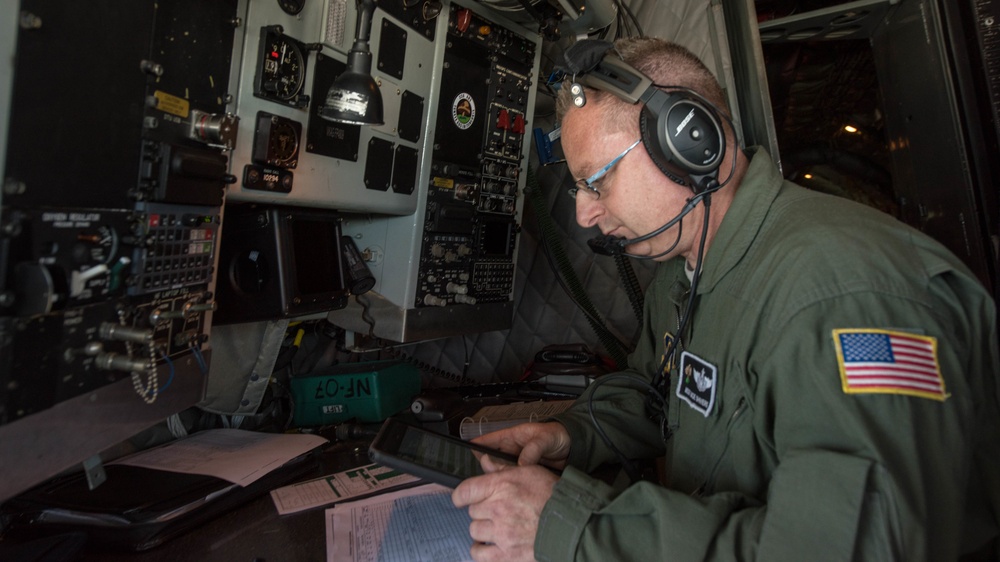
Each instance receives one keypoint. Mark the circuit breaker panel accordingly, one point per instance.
(449, 268)
(114, 175)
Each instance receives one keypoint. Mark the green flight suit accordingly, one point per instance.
(786, 464)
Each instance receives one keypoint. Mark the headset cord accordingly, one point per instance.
(565, 272)
(629, 465)
(661, 381)
(632, 289)
(655, 402)
(430, 370)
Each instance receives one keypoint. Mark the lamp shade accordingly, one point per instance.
(354, 98)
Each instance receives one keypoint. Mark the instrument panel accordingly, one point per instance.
(124, 152)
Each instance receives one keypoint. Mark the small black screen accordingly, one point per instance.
(316, 250)
(496, 238)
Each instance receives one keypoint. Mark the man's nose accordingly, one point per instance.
(588, 210)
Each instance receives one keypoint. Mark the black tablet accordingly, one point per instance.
(432, 456)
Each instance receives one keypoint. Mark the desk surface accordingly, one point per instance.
(253, 531)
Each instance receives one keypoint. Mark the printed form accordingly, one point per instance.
(417, 524)
(356, 482)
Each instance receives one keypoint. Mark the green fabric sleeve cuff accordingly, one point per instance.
(579, 454)
(574, 498)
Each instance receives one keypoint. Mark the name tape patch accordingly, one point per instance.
(697, 383)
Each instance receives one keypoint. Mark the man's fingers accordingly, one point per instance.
(492, 464)
(482, 552)
(531, 454)
(470, 491)
(481, 530)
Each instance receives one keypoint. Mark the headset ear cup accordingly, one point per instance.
(693, 135)
(682, 136)
(649, 131)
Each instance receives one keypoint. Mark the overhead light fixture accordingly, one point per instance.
(808, 176)
(850, 128)
(354, 97)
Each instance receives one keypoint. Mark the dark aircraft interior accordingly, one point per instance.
(307, 216)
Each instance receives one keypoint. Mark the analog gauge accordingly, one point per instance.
(276, 141)
(283, 70)
(100, 247)
(292, 7)
(108, 243)
(284, 144)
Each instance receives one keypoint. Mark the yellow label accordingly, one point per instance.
(444, 183)
(172, 104)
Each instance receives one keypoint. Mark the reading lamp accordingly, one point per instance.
(354, 98)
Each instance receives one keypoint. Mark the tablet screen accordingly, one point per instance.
(439, 458)
(440, 454)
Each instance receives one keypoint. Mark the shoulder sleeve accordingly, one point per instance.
(870, 454)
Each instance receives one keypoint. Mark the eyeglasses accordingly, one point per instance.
(588, 184)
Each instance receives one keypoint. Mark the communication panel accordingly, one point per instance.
(449, 268)
(114, 175)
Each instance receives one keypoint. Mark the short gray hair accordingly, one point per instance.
(666, 63)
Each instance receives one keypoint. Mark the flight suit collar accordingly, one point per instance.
(743, 220)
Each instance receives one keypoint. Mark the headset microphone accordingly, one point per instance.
(607, 245)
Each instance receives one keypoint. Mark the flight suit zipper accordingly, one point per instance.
(740, 407)
(671, 419)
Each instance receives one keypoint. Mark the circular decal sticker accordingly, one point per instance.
(463, 111)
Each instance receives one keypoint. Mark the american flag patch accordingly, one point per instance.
(882, 361)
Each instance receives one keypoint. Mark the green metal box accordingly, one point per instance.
(367, 392)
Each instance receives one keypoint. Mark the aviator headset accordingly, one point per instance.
(680, 130)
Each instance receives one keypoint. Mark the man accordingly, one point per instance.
(832, 395)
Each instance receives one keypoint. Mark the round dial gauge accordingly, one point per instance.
(284, 68)
(292, 7)
(283, 145)
(96, 247)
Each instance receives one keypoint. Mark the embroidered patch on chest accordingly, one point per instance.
(697, 383)
(888, 362)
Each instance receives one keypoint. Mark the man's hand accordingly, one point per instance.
(533, 443)
(505, 505)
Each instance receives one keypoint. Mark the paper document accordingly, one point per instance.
(234, 455)
(414, 525)
(338, 487)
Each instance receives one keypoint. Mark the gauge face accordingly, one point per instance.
(95, 247)
(283, 68)
(292, 7)
(283, 144)
(107, 249)
(276, 141)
